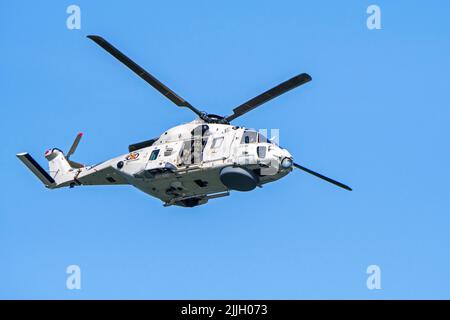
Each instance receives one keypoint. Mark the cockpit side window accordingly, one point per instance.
(249, 137)
(154, 154)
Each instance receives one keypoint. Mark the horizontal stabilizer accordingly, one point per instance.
(38, 171)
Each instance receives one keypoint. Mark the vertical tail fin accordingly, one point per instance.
(62, 170)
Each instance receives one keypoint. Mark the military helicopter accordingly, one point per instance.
(188, 164)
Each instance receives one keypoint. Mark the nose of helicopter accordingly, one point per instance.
(286, 163)
(285, 159)
(277, 160)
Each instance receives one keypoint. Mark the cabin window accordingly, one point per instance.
(249, 137)
(154, 154)
(217, 142)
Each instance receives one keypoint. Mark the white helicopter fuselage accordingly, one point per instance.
(184, 166)
(190, 163)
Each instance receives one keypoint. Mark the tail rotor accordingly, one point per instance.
(71, 151)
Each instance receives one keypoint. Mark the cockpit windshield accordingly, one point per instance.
(262, 138)
(249, 137)
(253, 137)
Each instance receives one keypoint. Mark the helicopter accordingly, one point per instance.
(189, 164)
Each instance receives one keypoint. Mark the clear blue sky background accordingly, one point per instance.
(375, 116)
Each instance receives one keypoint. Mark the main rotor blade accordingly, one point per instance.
(74, 145)
(318, 175)
(155, 83)
(269, 95)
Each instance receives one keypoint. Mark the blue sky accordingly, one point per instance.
(376, 116)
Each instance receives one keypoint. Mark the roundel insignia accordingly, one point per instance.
(132, 156)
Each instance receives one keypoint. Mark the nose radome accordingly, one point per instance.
(286, 163)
